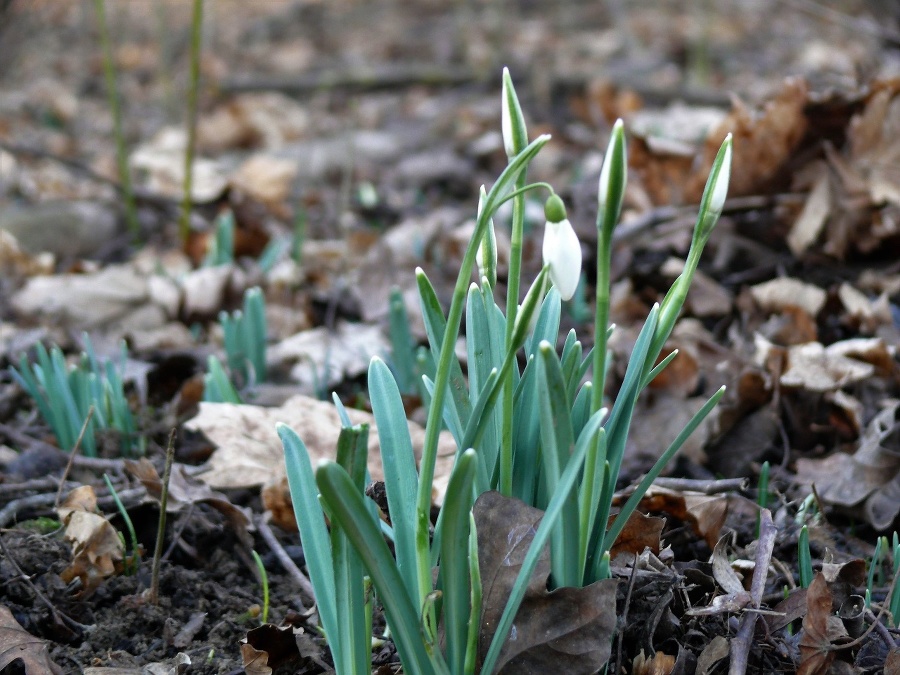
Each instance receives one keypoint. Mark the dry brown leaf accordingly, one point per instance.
(783, 292)
(117, 295)
(568, 630)
(659, 664)
(96, 546)
(867, 314)
(250, 453)
(704, 513)
(266, 178)
(640, 532)
(870, 475)
(16, 644)
(763, 143)
(161, 162)
(811, 221)
(715, 651)
(814, 367)
(321, 358)
(269, 648)
(821, 629)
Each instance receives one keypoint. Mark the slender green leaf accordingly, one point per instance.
(557, 440)
(347, 508)
(400, 477)
(455, 573)
(313, 532)
(548, 523)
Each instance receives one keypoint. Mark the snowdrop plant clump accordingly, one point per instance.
(538, 432)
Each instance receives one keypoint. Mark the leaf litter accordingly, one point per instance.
(795, 309)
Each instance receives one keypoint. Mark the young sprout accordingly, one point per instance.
(562, 250)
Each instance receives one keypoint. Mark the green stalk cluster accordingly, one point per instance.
(64, 395)
(539, 433)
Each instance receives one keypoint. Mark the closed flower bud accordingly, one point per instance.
(562, 250)
(512, 121)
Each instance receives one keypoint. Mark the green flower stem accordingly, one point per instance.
(112, 95)
(609, 201)
(512, 304)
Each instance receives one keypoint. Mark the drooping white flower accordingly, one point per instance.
(562, 250)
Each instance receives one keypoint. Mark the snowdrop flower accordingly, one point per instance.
(562, 251)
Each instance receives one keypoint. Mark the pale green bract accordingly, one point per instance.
(538, 433)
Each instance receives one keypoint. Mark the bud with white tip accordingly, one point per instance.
(512, 121)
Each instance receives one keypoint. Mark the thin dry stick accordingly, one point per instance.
(161, 531)
(262, 524)
(740, 645)
(196, 35)
(62, 479)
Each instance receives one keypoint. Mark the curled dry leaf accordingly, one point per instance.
(16, 644)
(96, 546)
(567, 630)
(269, 648)
(867, 481)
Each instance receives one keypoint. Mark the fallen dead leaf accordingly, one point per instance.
(321, 358)
(783, 292)
(17, 645)
(250, 453)
(567, 630)
(821, 628)
(269, 648)
(763, 142)
(659, 664)
(640, 532)
(869, 478)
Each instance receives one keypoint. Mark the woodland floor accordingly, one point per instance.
(368, 127)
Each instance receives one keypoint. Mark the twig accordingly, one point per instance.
(161, 530)
(62, 479)
(384, 76)
(37, 591)
(93, 463)
(262, 524)
(740, 645)
(624, 620)
(8, 514)
(706, 486)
